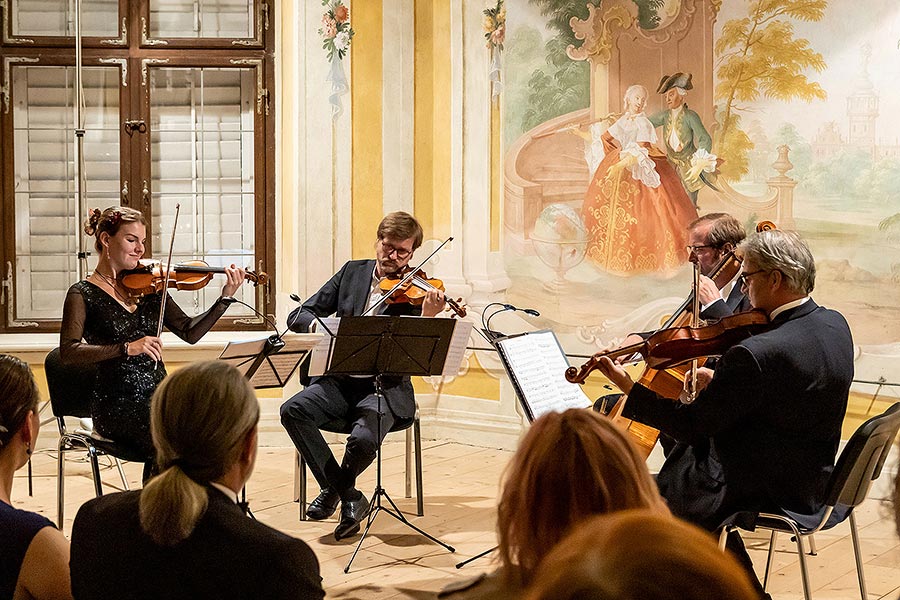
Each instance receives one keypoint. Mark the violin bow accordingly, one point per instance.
(691, 377)
(162, 302)
(407, 277)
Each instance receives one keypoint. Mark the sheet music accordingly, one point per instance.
(538, 364)
(318, 362)
(457, 350)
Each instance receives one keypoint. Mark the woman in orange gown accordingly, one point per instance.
(636, 210)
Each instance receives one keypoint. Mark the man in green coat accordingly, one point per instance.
(684, 134)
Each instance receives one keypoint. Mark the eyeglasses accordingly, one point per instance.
(697, 248)
(400, 252)
(743, 277)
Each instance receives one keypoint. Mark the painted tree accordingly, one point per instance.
(758, 57)
(561, 85)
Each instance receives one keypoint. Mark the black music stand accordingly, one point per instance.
(272, 361)
(399, 346)
(268, 363)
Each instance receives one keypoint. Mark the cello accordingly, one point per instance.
(666, 372)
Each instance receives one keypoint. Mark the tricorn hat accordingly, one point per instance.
(677, 80)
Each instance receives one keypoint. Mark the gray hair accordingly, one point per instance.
(783, 251)
(681, 91)
(724, 229)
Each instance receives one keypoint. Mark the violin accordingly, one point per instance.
(668, 348)
(149, 277)
(414, 290)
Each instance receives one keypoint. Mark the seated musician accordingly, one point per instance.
(351, 292)
(773, 407)
(710, 238)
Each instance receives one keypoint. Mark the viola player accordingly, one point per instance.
(772, 408)
(351, 292)
(104, 324)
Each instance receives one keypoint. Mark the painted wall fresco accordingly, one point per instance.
(799, 99)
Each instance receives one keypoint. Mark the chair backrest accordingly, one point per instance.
(71, 386)
(862, 459)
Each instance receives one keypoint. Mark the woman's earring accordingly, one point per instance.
(28, 449)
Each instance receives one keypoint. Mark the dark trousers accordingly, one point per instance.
(343, 404)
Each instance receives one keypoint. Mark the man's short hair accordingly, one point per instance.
(725, 229)
(783, 251)
(401, 225)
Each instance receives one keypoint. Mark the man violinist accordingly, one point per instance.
(772, 408)
(350, 292)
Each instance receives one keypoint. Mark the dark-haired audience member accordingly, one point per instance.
(639, 555)
(568, 467)
(34, 555)
(185, 535)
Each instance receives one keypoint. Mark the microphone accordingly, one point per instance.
(274, 343)
(527, 311)
(298, 300)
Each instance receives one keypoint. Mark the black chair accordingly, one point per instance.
(413, 439)
(857, 467)
(70, 396)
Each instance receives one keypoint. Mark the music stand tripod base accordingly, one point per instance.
(389, 346)
(376, 506)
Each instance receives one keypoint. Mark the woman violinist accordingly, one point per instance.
(103, 323)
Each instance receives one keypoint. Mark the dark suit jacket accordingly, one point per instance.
(228, 556)
(736, 302)
(345, 294)
(773, 410)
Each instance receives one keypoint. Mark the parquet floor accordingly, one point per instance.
(461, 485)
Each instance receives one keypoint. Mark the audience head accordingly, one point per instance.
(639, 555)
(19, 421)
(109, 221)
(203, 422)
(568, 467)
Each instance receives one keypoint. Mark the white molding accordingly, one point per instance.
(398, 104)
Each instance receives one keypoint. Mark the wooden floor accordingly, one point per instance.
(461, 484)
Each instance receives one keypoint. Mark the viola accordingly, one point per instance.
(150, 276)
(670, 347)
(414, 290)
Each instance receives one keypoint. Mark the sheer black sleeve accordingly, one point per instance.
(72, 348)
(192, 329)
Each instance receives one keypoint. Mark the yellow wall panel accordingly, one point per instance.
(366, 81)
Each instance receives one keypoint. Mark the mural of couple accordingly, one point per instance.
(623, 120)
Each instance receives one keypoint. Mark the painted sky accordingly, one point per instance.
(847, 25)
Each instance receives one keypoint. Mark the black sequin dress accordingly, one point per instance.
(95, 327)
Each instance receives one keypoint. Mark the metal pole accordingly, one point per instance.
(81, 264)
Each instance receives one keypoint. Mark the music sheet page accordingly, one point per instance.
(538, 365)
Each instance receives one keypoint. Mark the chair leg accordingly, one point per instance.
(95, 471)
(121, 473)
(296, 476)
(60, 478)
(804, 570)
(301, 462)
(723, 538)
(420, 497)
(409, 444)
(769, 558)
(854, 534)
(812, 544)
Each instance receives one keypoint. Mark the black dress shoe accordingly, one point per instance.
(352, 512)
(324, 505)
